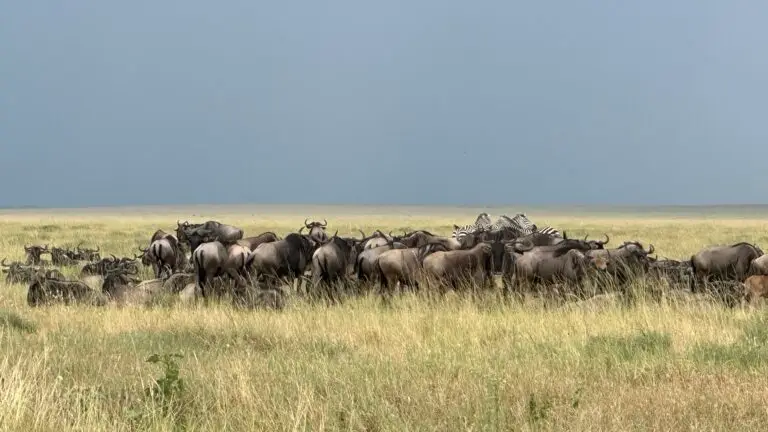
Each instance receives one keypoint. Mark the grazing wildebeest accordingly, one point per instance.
(677, 273)
(62, 257)
(331, 263)
(213, 259)
(365, 264)
(521, 260)
(254, 242)
(720, 263)
(398, 266)
(165, 255)
(625, 259)
(451, 268)
(33, 253)
(16, 272)
(85, 254)
(196, 234)
(316, 229)
(45, 290)
(288, 257)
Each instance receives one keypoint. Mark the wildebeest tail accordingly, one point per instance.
(198, 259)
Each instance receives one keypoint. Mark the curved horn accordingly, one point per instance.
(301, 229)
(114, 258)
(305, 223)
(585, 237)
(3, 263)
(178, 223)
(607, 239)
(651, 249)
(78, 246)
(362, 233)
(98, 248)
(336, 233)
(325, 223)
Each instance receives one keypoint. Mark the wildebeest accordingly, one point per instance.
(316, 229)
(677, 273)
(331, 262)
(288, 257)
(254, 242)
(45, 289)
(213, 259)
(521, 259)
(16, 272)
(365, 263)
(33, 253)
(197, 234)
(165, 255)
(62, 256)
(625, 259)
(398, 266)
(102, 266)
(759, 266)
(451, 268)
(723, 263)
(85, 254)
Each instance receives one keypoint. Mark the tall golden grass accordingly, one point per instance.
(458, 364)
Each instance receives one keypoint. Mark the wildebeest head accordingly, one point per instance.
(87, 254)
(33, 253)
(316, 229)
(597, 244)
(121, 275)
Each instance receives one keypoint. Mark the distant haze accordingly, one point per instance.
(361, 102)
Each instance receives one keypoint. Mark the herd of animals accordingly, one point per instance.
(212, 258)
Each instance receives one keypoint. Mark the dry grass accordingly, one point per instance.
(459, 364)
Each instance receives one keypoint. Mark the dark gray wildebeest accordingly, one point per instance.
(47, 288)
(569, 269)
(286, 258)
(759, 266)
(33, 253)
(624, 261)
(676, 273)
(316, 229)
(102, 266)
(196, 234)
(331, 263)
(722, 263)
(86, 254)
(17, 272)
(456, 268)
(398, 266)
(521, 260)
(378, 238)
(365, 263)
(212, 259)
(254, 242)
(417, 239)
(63, 257)
(165, 255)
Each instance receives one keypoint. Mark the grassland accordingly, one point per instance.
(461, 364)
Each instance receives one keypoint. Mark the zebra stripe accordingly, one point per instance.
(482, 222)
(519, 224)
(550, 231)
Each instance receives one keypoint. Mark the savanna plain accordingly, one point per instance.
(461, 363)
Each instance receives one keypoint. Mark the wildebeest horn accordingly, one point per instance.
(325, 223)
(585, 237)
(114, 258)
(3, 263)
(301, 229)
(362, 233)
(305, 223)
(651, 249)
(98, 248)
(607, 239)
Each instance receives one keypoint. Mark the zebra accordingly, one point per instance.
(520, 224)
(550, 231)
(482, 223)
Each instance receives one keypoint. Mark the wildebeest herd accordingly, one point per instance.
(213, 258)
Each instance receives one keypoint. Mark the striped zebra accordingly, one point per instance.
(550, 231)
(520, 224)
(482, 222)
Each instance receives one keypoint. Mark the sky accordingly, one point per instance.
(383, 102)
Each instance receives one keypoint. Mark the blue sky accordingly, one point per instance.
(418, 102)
